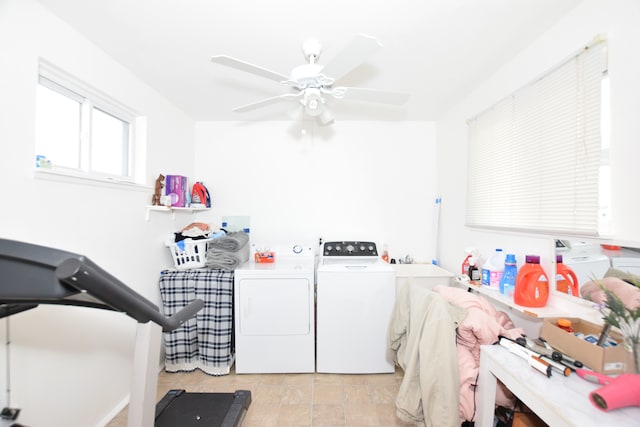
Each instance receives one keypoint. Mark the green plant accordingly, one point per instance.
(617, 314)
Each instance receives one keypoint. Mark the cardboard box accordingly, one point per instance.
(605, 360)
(176, 188)
(523, 419)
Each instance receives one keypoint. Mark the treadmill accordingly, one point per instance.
(33, 275)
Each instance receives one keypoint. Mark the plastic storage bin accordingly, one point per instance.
(189, 253)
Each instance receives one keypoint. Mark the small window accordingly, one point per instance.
(80, 131)
(110, 143)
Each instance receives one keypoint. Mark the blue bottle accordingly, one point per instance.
(508, 280)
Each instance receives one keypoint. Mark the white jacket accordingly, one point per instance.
(423, 338)
(436, 337)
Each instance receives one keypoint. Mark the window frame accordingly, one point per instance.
(91, 99)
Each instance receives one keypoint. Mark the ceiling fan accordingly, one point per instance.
(312, 84)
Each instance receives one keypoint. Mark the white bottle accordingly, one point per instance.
(492, 270)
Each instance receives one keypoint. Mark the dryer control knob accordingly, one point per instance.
(297, 249)
(350, 248)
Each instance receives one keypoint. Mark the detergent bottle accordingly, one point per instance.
(385, 252)
(492, 270)
(465, 264)
(532, 284)
(508, 281)
(566, 279)
(474, 272)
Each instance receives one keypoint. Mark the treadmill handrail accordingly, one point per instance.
(84, 275)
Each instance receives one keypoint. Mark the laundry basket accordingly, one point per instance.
(189, 253)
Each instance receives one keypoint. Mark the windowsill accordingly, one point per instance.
(74, 177)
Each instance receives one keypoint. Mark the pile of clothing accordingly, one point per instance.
(625, 286)
(435, 337)
(195, 231)
(225, 250)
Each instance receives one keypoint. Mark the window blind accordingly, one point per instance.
(534, 157)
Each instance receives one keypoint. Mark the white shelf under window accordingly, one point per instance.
(550, 310)
(172, 210)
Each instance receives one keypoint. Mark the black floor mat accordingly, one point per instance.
(181, 409)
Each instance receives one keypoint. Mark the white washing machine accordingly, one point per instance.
(626, 259)
(585, 259)
(355, 294)
(274, 312)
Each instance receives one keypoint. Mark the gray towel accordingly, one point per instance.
(232, 242)
(228, 252)
(225, 260)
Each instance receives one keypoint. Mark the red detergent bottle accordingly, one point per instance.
(566, 279)
(532, 284)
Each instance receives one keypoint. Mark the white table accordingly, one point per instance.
(425, 275)
(558, 401)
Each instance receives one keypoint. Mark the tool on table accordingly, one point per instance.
(616, 392)
(547, 355)
(545, 349)
(563, 369)
(534, 359)
(593, 377)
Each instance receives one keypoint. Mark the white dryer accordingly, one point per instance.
(274, 312)
(625, 259)
(355, 294)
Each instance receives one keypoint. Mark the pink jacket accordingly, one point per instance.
(629, 294)
(482, 325)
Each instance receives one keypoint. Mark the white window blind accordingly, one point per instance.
(535, 156)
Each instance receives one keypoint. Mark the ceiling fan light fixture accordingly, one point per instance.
(310, 84)
(327, 117)
(313, 102)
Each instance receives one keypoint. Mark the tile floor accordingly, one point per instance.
(299, 400)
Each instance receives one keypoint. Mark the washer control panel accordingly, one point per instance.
(350, 248)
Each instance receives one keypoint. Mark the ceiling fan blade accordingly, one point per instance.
(370, 95)
(228, 61)
(354, 54)
(266, 101)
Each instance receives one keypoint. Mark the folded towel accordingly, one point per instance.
(225, 260)
(232, 242)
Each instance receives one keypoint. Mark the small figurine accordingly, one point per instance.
(155, 200)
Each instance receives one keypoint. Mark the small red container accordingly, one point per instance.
(264, 257)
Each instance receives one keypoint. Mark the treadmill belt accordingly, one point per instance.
(181, 409)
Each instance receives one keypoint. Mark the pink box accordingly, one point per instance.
(176, 187)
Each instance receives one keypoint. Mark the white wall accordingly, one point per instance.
(355, 180)
(351, 181)
(71, 366)
(618, 20)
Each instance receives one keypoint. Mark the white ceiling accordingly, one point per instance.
(436, 50)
